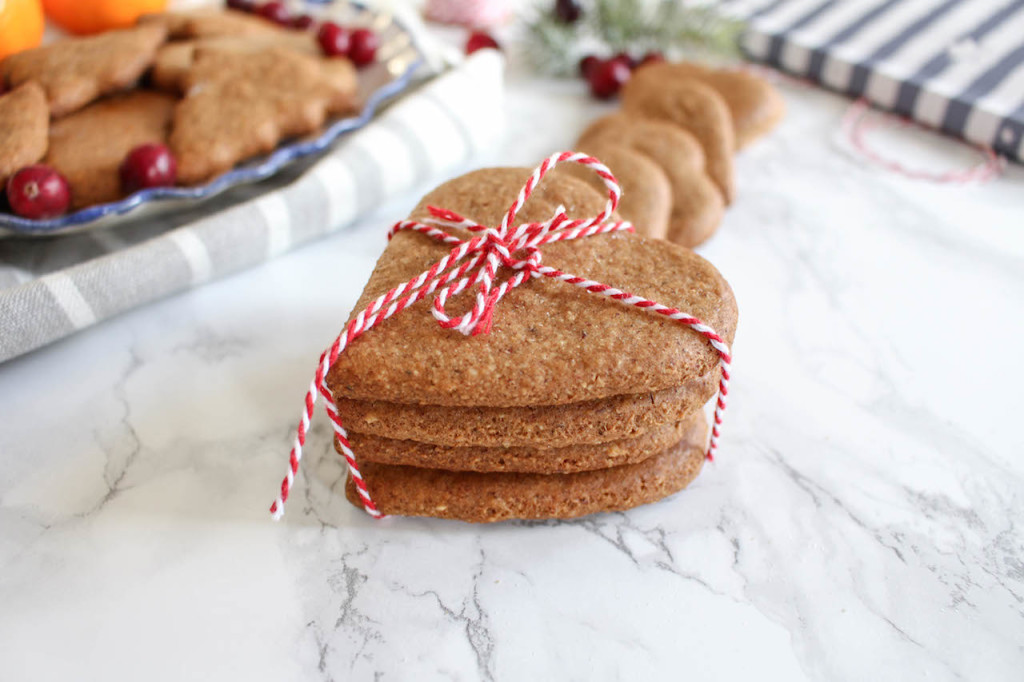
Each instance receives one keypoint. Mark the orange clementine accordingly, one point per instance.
(21, 25)
(93, 16)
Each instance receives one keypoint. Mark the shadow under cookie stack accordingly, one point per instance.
(671, 145)
(571, 404)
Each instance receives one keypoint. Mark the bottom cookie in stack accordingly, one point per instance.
(487, 484)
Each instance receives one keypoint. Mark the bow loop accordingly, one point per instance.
(477, 260)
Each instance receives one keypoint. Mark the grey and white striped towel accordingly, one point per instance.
(52, 288)
(954, 65)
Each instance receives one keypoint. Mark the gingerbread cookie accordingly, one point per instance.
(174, 60)
(697, 205)
(24, 123)
(488, 497)
(646, 192)
(550, 426)
(88, 146)
(239, 105)
(577, 347)
(698, 109)
(76, 71)
(209, 23)
(754, 105)
(536, 460)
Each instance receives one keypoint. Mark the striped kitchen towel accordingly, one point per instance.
(50, 288)
(953, 65)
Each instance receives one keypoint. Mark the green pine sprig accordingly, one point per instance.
(678, 29)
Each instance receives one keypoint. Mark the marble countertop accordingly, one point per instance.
(865, 519)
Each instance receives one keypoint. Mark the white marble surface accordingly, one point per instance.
(865, 519)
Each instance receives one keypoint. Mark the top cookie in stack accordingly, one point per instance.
(689, 120)
(570, 405)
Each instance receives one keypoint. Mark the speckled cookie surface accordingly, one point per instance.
(209, 22)
(174, 60)
(541, 460)
(697, 205)
(754, 105)
(489, 497)
(553, 426)
(88, 146)
(550, 343)
(646, 193)
(697, 108)
(239, 105)
(76, 71)
(24, 124)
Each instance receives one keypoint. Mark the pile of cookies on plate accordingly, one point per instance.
(177, 99)
(671, 145)
(571, 404)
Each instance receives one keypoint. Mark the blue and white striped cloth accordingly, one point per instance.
(953, 65)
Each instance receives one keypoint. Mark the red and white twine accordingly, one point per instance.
(475, 261)
(856, 123)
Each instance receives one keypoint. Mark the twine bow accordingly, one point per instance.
(475, 261)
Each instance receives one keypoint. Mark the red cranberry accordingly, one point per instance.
(148, 165)
(363, 49)
(38, 192)
(652, 58)
(568, 11)
(334, 40)
(478, 40)
(302, 22)
(275, 12)
(626, 59)
(587, 64)
(607, 78)
(242, 5)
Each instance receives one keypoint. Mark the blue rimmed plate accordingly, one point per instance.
(400, 59)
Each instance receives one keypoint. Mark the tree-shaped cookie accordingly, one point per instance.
(238, 105)
(24, 121)
(76, 71)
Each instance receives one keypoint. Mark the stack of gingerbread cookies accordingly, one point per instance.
(672, 144)
(210, 87)
(571, 404)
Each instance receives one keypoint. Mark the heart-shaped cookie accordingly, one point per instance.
(697, 205)
(698, 109)
(489, 497)
(754, 105)
(551, 344)
(566, 393)
(566, 459)
(646, 191)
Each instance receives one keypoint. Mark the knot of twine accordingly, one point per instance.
(475, 261)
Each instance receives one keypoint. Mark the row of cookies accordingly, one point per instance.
(570, 405)
(212, 87)
(671, 145)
